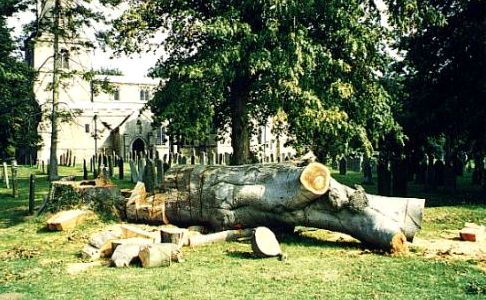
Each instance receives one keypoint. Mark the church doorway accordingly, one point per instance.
(138, 147)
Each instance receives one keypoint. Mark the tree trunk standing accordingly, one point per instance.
(283, 194)
(384, 178)
(240, 135)
(53, 169)
(399, 177)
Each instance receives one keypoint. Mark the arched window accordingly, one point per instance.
(64, 58)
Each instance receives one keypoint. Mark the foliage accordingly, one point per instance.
(19, 113)
(446, 78)
(319, 62)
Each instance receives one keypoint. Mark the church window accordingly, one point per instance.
(144, 94)
(116, 94)
(64, 59)
(161, 137)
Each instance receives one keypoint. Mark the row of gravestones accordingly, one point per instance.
(393, 176)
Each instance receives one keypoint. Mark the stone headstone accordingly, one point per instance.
(439, 167)
(121, 171)
(141, 168)
(367, 171)
(343, 166)
(149, 176)
(160, 172)
(133, 171)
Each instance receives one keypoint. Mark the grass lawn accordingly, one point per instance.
(34, 262)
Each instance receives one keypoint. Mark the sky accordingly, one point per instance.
(134, 66)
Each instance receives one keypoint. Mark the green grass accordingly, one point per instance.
(33, 262)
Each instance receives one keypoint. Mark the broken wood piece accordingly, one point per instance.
(131, 241)
(157, 255)
(174, 235)
(264, 243)
(67, 220)
(129, 231)
(472, 232)
(223, 236)
(103, 241)
(125, 254)
(91, 253)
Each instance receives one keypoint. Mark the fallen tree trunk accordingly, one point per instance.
(277, 195)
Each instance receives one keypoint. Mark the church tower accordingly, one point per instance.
(90, 120)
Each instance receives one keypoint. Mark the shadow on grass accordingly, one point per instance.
(242, 254)
(299, 239)
(12, 216)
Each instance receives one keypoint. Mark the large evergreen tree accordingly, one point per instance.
(19, 113)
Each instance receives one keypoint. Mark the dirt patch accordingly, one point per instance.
(449, 246)
(12, 296)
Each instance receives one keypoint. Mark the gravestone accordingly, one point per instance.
(342, 166)
(439, 168)
(367, 171)
(141, 168)
(149, 176)
(133, 171)
(85, 170)
(160, 173)
(121, 165)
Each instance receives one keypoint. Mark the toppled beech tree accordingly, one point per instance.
(277, 195)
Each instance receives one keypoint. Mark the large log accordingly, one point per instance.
(280, 195)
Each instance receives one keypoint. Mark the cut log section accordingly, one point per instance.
(157, 255)
(131, 241)
(223, 236)
(103, 242)
(283, 195)
(129, 231)
(67, 220)
(264, 243)
(90, 253)
(125, 254)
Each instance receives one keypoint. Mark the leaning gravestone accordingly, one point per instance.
(133, 171)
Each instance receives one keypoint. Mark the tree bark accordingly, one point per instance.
(283, 194)
(53, 170)
(240, 135)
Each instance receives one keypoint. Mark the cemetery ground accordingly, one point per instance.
(38, 264)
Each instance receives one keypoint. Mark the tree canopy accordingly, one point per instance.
(319, 65)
